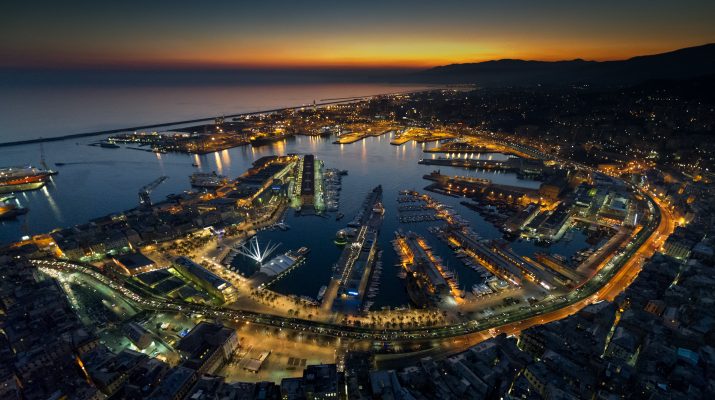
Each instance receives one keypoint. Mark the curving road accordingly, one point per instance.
(612, 277)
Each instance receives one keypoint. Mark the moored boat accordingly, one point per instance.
(17, 179)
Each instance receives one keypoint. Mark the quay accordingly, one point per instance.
(523, 167)
(353, 137)
(278, 267)
(421, 135)
(477, 187)
(502, 165)
(181, 122)
(427, 280)
(458, 147)
(497, 257)
(352, 272)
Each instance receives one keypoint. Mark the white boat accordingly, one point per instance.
(321, 292)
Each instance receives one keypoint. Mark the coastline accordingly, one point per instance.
(196, 120)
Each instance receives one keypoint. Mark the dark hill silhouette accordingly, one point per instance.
(679, 64)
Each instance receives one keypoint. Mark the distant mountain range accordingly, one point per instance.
(679, 64)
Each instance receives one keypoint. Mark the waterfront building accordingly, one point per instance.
(422, 264)
(212, 283)
(307, 183)
(134, 263)
(269, 172)
(354, 267)
(519, 220)
(279, 266)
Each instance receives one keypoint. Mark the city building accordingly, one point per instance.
(207, 347)
(175, 385)
(111, 371)
(139, 335)
(207, 280)
(134, 263)
(323, 382)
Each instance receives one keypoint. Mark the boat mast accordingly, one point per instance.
(42, 157)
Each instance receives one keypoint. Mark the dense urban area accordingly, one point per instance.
(178, 298)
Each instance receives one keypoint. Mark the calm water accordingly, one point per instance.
(96, 181)
(31, 112)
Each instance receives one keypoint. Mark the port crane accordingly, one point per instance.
(145, 191)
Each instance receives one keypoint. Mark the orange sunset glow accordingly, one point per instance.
(385, 34)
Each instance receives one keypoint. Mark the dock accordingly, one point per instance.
(351, 275)
(429, 281)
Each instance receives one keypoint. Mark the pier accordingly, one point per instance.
(181, 122)
(428, 281)
(352, 272)
(478, 187)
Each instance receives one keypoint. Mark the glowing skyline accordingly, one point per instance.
(273, 34)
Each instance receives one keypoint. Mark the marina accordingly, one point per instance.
(358, 261)
(332, 184)
(527, 213)
(320, 235)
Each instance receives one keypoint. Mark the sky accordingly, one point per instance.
(336, 34)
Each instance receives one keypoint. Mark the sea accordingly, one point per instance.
(94, 181)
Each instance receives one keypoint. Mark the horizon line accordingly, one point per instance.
(401, 66)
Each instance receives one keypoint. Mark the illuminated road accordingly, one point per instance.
(612, 276)
(611, 279)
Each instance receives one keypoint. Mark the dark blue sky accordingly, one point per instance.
(414, 34)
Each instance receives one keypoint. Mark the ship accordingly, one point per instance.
(204, 180)
(18, 179)
(263, 140)
(298, 255)
(321, 292)
(282, 226)
(10, 210)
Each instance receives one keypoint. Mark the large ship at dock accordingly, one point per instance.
(208, 180)
(268, 139)
(18, 179)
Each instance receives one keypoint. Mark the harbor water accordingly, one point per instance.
(96, 181)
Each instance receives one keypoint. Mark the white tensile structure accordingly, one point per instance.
(252, 250)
